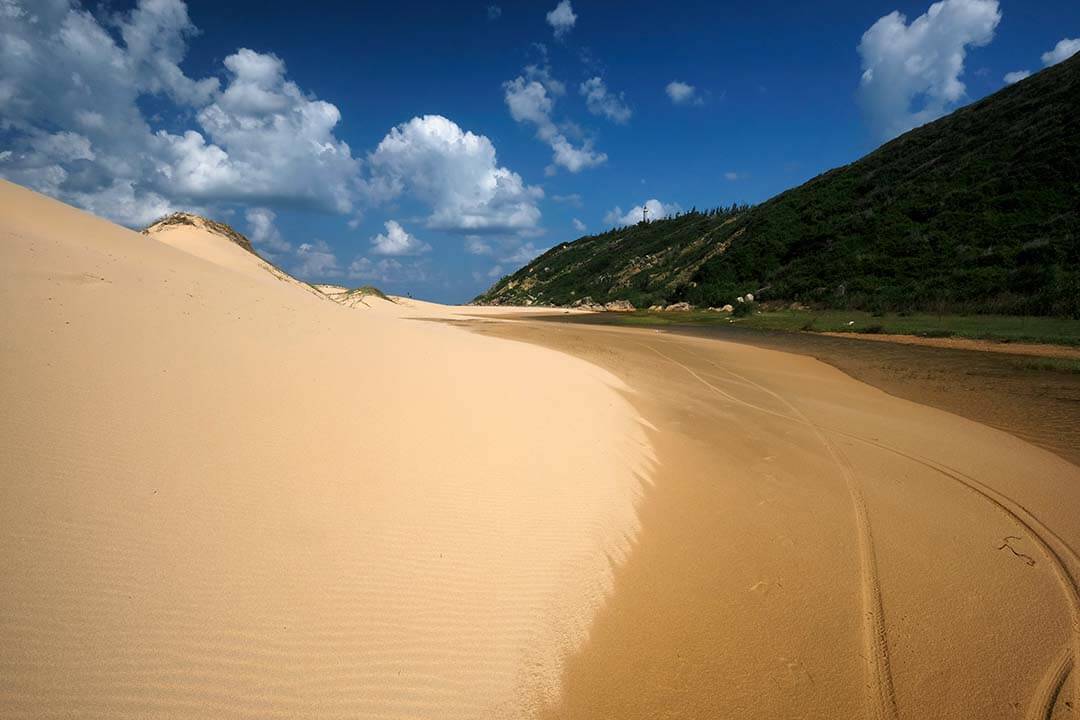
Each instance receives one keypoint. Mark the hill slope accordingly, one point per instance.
(976, 212)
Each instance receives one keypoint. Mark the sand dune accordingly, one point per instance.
(812, 547)
(225, 496)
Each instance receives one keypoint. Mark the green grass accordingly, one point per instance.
(1062, 365)
(365, 290)
(1002, 328)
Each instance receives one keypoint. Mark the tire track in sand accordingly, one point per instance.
(880, 694)
(1060, 672)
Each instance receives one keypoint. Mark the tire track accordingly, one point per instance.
(881, 695)
(1054, 681)
(1046, 695)
(1060, 672)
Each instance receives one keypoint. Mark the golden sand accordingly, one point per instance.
(227, 495)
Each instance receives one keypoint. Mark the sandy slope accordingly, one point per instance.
(812, 547)
(226, 496)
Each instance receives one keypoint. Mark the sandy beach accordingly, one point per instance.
(227, 495)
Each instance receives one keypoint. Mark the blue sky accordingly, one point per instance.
(429, 147)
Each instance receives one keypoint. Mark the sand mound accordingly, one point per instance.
(219, 244)
(361, 297)
(224, 496)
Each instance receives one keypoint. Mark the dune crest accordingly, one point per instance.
(226, 496)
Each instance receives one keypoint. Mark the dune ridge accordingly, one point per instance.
(225, 496)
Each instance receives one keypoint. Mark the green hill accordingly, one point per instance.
(976, 212)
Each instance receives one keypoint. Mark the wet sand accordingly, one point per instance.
(812, 547)
(998, 389)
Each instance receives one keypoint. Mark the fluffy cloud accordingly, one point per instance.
(494, 12)
(1015, 77)
(277, 139)
(911, 72)
(731, 176)
(578, 225)
(388, 270)
(530, 99)
(656, 210)
(264, 233)
(260, 140)
(476, 245)
(600, 101)
(682, 93)
(522, 255)
(316, 261)
(456, 174)
(1064, 50)
(562, 18)
(396, 241)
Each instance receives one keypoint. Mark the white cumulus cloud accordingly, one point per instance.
(1015, 77)
(522, 254)
(75, 88)
(1064, 50)
(71, 90)
(578, 225)
(476, 245)
(601, 101)
(456, 174)
(911, 72)
(530, 101)
(316, 261)
(396, 241)
(562, 18)
(682, 93)
(388, 270)
(264, 232)
(636, 214)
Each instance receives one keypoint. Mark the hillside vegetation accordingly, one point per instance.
(978, 212)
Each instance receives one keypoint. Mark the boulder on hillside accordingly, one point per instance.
(679, 307)
(619, 306)
(587, 303)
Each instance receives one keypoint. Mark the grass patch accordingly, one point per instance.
(1000, 328)
(365, 290)
(1061, 365)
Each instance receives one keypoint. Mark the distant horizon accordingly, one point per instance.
(430, 150)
